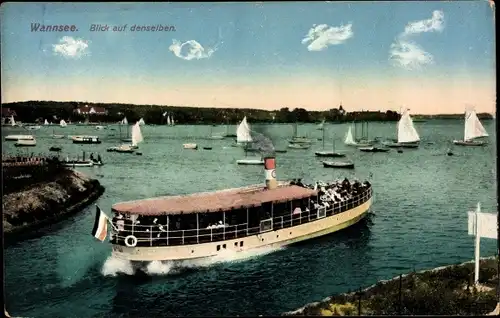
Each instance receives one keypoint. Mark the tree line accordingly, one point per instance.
(38, 111)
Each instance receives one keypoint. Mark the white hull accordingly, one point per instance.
(469, 143)
(58, 136)
(25, 143)
(19, 137)
(190, 146)
(271, 239)
(250, 162)
(78, 164)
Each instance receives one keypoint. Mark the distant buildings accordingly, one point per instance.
(91, 110)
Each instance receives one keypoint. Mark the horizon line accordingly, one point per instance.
(233, 107)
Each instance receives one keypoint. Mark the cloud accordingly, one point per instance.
(436, 23)
(190, 50)
(409, 55)
(70, 47)
(321, 36)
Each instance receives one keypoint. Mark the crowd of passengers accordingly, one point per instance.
(336, 191)
(328, 193)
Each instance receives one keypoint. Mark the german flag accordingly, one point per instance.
(100, 230)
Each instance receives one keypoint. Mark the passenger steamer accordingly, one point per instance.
(203, 225)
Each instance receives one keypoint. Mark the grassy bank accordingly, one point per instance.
(442, 291)
(44, 203)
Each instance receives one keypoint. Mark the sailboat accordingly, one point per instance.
(331, 154)
(349, 140)
(243, 137)
(299, 140)
(407, 134)
(62, 123)
(169, 122)
(12, 121)
(142, 122)
(136, 135)
(46, 122)
(321, 125)
(125, 122)
(473, 129)
(364, 134)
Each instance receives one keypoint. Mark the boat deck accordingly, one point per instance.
(222, 200)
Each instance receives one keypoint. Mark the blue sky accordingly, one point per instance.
(250, 48)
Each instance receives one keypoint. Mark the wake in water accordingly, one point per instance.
(115, 266)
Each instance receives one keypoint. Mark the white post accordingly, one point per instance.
(478, 245)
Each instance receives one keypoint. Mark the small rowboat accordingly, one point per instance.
(339, 164)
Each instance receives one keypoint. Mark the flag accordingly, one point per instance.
(100, 230)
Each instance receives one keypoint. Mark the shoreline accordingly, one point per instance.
(73, 191)
(349, 303)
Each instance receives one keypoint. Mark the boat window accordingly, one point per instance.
(218, 247)
(321, 212)
(280, 209)
(224, 246)
(253, 217)
(266, 225)
(241, 243)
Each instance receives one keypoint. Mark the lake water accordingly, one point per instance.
(419, 220)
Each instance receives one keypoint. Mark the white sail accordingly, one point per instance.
(169, 122)
(406, 130)
(473, 127)
(349, 139)
(136, 134)
(141, 122)
(173, 122)
(124, 121)
(12, 121)
(46, 122)
(243, 132)
(63, 123)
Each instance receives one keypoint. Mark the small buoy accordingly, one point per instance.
(139, 153)
(449, 153)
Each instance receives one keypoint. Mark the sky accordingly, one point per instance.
(431, 57)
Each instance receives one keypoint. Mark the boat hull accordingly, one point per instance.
(78, 164)
(250, 162)
(373, 149)
(338, 165)
(329, 154)
(469, 143)
(401, 145)
(272, 239)
(88, 142)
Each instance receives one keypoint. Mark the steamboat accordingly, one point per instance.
(204, 225)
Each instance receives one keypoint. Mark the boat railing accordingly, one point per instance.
(156, 235)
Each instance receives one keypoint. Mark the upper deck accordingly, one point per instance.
(221, 200)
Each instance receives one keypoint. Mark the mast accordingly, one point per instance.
(323, 139)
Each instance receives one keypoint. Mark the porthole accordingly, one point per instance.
(290, 233)
(277, 236)
(241, 243)
(235, 243)
(192, 251)
(218, 247)
(224, 246)
(262, 240)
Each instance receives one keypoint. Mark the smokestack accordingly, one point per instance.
(270, 166)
